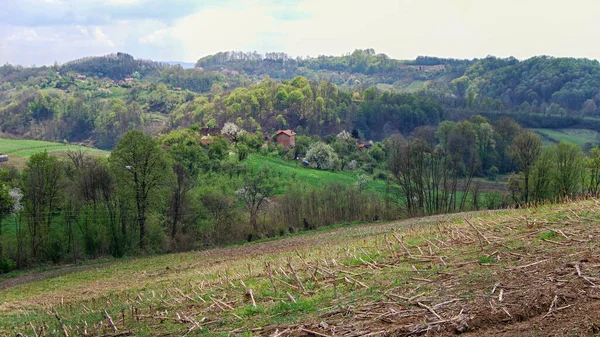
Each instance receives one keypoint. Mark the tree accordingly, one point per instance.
(6, 207)
(593, 166)
(42, 187)
(542, 175)
(344, 147)
(188, 156)
(589, 107)
(344, 135)
(91, 194)
(231, 130)
(142, 170)
(257, 188)
(322, 155)
(570, 168)
(525, 150)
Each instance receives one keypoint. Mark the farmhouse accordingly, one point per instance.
(287, 138)
(207, 131)
(206, 140)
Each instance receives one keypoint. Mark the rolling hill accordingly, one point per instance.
(19, 150)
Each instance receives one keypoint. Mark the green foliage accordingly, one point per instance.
(547, 235)
(142, 170)
(487, 259)
(492, 173)
(562, 83)
(323, 155)
(115, 66)
(7, 264)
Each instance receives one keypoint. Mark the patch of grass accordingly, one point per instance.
(547, 235)
(487, 259)
(293, 171)
(19, 150)
(574, 136)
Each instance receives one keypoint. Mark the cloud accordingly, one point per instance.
(36, 13)
(41, 31)
(216, 29)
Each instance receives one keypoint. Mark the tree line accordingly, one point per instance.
(174, 193)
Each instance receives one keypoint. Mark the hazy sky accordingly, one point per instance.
(43, 31)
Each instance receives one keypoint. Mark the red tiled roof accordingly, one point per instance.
(286, 132)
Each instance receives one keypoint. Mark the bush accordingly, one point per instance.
(492, 173)
(7, 265)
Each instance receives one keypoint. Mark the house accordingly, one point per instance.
(177, 89)
(287, 138)
(3, 158)
(365, 145)
(207, 140)
(129, 80)
(214, 131)
(81, 77)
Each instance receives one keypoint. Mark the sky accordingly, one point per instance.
(38, 32)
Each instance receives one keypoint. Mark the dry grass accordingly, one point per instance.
(533, 271)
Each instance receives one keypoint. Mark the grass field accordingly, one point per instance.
(292, 171)
(575, 136)
(19, 150)
(532, 272)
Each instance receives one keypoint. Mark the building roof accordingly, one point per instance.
(205, 131)
(286, 132)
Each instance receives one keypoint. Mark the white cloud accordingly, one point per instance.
(122, 2)
(460, 28)
(399, 28)
(216, 29)
(102, 39)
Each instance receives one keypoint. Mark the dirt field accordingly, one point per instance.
(528, 272)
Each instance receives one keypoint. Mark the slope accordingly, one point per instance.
(508, 273)
(19, 150)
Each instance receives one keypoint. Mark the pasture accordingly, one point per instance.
(19, 150)
(578, 137)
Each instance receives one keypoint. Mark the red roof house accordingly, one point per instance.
(287, 138)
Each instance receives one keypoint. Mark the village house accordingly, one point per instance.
(287, 138)
(129, 80)
(207, 140)
(81, 77)
(207, 131)
(365, 144)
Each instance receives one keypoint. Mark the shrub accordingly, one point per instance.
(7, 264)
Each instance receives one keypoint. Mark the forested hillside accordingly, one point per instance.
(97, 99)
(197, 159)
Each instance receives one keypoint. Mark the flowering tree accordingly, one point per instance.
(321, 154)
(231, 130)
(344, 135)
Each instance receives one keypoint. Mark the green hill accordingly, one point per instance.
(293, 171)
(19, 150)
